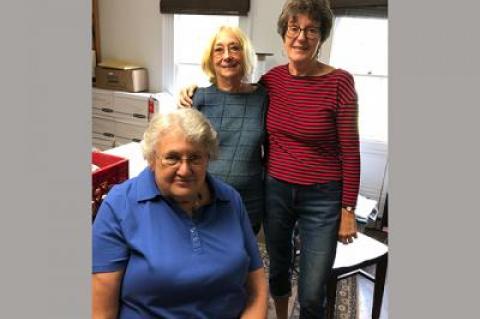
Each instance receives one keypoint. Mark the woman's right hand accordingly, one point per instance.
(185, 96)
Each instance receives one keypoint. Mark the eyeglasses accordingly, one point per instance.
(233, 49)
(173, 160)
(312, 33)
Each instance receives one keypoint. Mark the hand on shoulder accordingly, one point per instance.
(185, 96)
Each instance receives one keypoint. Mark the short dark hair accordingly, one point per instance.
(317, 10)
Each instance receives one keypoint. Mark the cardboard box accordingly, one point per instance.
(130, 80)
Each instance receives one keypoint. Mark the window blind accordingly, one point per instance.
(212, 7)
(365, 8)
(356, 4)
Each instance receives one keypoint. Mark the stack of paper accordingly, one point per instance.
(362, 249)
(133, 152)
(366, 209)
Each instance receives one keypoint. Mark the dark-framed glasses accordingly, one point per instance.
(174, 160)
(312, 33)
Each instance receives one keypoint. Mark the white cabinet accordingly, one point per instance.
(121, 117)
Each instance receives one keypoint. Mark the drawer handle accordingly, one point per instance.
(140, 116)
(108, 134)
(107, 110)
(136, 140)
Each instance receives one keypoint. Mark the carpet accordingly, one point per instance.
(346, 300)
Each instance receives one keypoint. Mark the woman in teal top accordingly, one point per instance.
(237, 111)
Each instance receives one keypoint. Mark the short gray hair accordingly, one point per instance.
(317, 10)
(196, 127)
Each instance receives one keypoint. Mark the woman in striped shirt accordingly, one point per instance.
(313, 158)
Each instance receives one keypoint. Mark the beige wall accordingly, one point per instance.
(263, 15)
(132, 31)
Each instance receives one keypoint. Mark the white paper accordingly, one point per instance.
(133, 152)
(366, 208)
(362, 249)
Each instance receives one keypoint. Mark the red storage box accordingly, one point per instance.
(113, 170)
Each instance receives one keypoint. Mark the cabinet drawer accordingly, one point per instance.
(121, 141)
(101, 146)
(103, 126)
(132, 108)
(102, 142)
(102, 99)
(105, 112)
(130, 118)
(129, 131)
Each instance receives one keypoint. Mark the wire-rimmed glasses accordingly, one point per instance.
(174, 160)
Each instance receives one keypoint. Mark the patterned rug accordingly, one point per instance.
(346, 300)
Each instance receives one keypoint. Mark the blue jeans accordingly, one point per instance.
(317, 210)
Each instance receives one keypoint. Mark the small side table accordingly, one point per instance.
(349, 261)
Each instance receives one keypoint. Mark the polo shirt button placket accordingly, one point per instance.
(196, 243)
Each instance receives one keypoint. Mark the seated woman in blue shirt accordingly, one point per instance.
(176, 242)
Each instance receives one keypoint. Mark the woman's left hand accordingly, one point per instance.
(348, 227)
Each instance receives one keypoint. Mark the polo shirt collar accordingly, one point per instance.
(219, 192)
(147, 187)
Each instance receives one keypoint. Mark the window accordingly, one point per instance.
(359, 45)
(191, 33)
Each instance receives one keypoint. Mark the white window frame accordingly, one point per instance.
(168, 58)
(374, 152)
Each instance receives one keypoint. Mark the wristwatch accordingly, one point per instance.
(349, 209)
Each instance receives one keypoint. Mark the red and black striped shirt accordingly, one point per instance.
(312, 126)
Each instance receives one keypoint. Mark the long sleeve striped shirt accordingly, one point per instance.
(312, 127)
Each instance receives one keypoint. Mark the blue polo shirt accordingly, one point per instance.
(175, 266)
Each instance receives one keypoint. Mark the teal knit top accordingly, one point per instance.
(239, 119)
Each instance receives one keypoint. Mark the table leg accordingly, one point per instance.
(380, 275)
